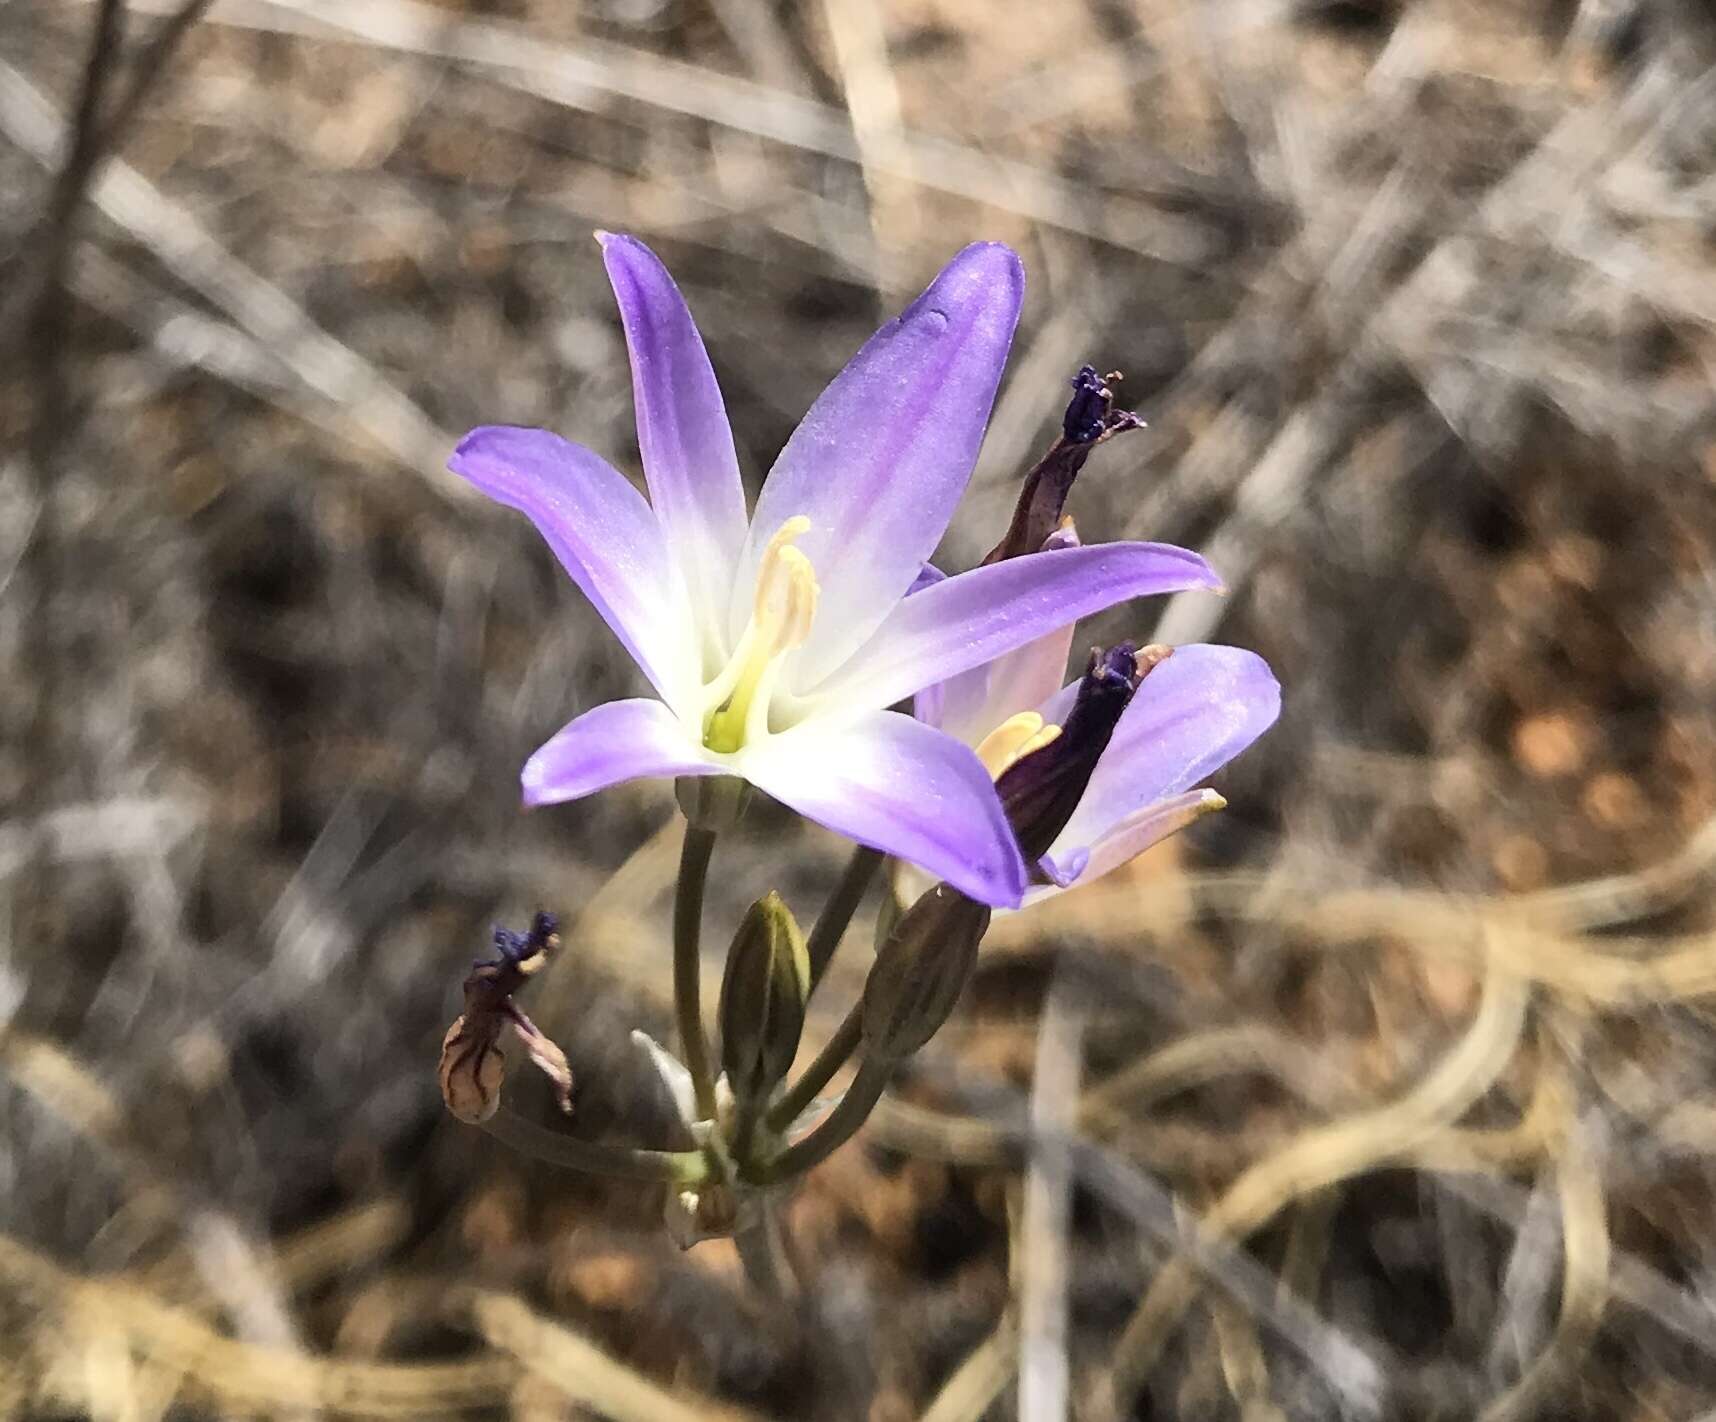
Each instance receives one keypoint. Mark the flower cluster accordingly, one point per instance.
(807, 648)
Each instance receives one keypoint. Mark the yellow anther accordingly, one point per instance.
(1013, 740)
(785, 604)
(783, 610)
(787, 534)
(1037, 742)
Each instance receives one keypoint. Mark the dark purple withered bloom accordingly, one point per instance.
(777, 641)
(1090, 420)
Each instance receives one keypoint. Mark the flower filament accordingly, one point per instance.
(782, 611)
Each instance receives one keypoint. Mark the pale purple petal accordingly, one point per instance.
(1061, 872)
(1055, 709)
(602, 531)
(927, 704)
(610, 743)
(928, 576)
(683, 436)
(1076, 866)
(975, 617)
(880, 461)
(886, 781)
(973, 703)
(1192, 714)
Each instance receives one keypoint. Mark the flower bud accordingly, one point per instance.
(1041, 790)
(762, 999)
(1090, 419)
(920, 971)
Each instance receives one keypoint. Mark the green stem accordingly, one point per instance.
(797, 1097)
(682, 1167)
(842, 1124)
(762, 1251)
(746, 1116)
(831, 926)
(687, 964)
(837, 913)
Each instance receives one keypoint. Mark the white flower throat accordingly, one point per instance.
(784, 607)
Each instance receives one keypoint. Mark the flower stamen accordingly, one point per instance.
(783, 610)
(1013, 740)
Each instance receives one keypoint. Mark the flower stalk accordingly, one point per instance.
(843, 1122)
(798, 1098)
(678, 1167)
(694, 858)
(836, 916)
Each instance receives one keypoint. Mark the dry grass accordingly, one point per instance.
(1389, 1093)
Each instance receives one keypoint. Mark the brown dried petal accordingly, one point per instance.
(549, 1059)
(472, 1069)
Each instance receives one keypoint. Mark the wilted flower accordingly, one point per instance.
(472, 1064)
(777, 643)
(1090, 420)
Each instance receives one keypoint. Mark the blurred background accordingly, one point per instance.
(1418, 300)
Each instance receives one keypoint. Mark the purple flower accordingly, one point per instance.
(1154, 724)
(777, 642)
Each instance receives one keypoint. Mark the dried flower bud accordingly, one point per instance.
(920, 971)
(762, 999)
(1090, 419)
(1041, 790)
(472, 1063)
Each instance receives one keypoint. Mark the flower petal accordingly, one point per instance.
(1192, 714)
(1077, 866)
(683, 436)
(882, 457)
(928, 576)
(974, 617)
(603, 533)
(973, 703)
(886, 781)
(618, 740)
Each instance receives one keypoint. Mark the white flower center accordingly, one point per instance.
(782, 611)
